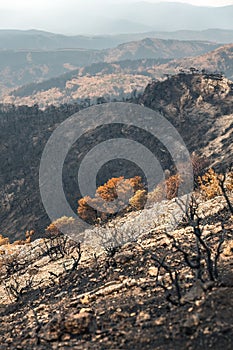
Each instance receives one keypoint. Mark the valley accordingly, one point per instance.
(116, 175)
(22, 67)
(200, 109)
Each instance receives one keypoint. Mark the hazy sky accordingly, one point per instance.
(32, 4)
(192, 2)
(74, 16)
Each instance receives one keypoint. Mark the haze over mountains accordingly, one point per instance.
(177, 16)
(130, 30)
(21, 67)
(109, 17)
(116, 79)
(41, 40)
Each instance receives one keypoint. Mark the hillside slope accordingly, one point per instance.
(220, 60)
(77, 84)
(157, 48)
(80, 89)
(108, 80)
(20, 67)
(200, 109)
(116, 301)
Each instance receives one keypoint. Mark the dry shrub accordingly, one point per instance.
(111, 198)
(4, 241)
(138, 201)
(209, 184)
(28, 236)
(59, 225)
(199, 164)
(57, 245)
(157, 195)
(168, 189)
(85, 211)
(108, 192)
(119, 187)
(194, 168)
(229, 181)
(172, 185)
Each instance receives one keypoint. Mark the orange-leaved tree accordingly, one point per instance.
(111, 198)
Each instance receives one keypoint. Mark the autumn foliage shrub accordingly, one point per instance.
(195, 167)
(166, 190)
(4, 241)
(210, 183)
(27, 240)
(229, 181)
(172, 185)
(85, 211)
(138, 201)
(119, 188)
(111, 198)
(59, 225)
(123, 195)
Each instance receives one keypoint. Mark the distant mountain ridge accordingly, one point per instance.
(42, 40)
(158, 48)
(21, 67)
(125, 76)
